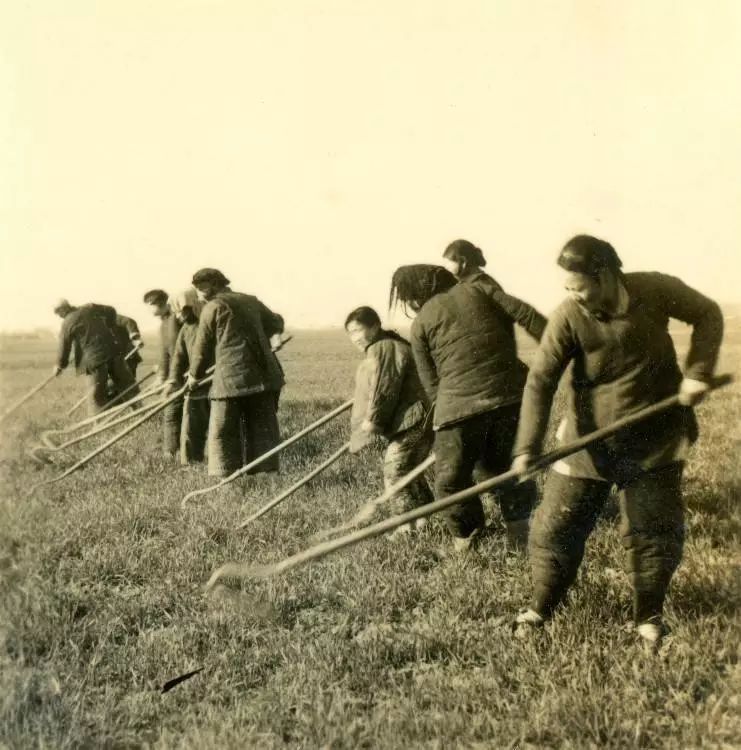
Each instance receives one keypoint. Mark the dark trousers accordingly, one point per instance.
(240, 430)
(482, 445)
(405, 452)
(652, 530)
(194, 430)
(98, 378)
(172, 420)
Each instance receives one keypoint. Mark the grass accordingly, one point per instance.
(387, 645)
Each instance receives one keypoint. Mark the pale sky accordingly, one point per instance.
(308, 148)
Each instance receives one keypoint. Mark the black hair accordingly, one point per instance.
(589, 255)
(364, 315)
(209, 276)
(368, 317)
(156, 297)
(463, 250)
(418, 283)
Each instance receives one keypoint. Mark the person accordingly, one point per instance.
(85, 329)
(194, 427)
(390, 402)
(613, 329)
(466, 356)
(172, 417)
(466, 261)
(233, 334)
(129, 340)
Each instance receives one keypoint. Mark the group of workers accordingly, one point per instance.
(458, 388)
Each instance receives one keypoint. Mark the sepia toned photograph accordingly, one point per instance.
(369, 374)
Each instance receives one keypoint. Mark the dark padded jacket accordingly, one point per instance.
(233, 334)
(464, 347)
(127, 335)
(388, 393)
(621, 365)
(86, 330)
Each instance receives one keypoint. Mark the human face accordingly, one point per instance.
(585, 290)
(206, 291)
(362, 336)
(159, 309)
(454, 266)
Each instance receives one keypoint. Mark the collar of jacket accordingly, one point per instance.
(382, 336)
(475, 276)
(625, 303)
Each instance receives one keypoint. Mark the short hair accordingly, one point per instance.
(589, 255)
(156, 297)
(418, 284)
(464, 250)
(209, 276)
(364, 315)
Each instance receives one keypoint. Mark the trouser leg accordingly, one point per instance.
(98, 386)
(653, 535)
(121, 376)
(260, 431)
(560, 527)
(172, 418)
(404, 453)
(193, 430)
(224, 437)
(457, 449)
(517, 500)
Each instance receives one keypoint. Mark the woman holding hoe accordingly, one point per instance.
(613, 327)
(464, 347)
(389, 401)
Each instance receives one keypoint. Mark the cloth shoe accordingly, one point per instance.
(652, 633)
(401, 532)
(464, 545)
(526, 622)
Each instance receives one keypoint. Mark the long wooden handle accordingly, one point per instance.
(29, 395)
(95, 431)
(46, 436)
(119, 396)
(79, 403)
(116, 410)
(139, 422)
(297, 486)
(322, 550)
(366, 511)
(269, 454)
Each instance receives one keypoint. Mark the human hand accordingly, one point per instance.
(368, 427)
(692, 391)
(522, 463)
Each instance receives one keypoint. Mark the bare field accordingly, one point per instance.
(387, 645)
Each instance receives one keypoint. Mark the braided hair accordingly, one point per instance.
(416, 284)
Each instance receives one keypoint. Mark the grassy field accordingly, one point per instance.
(388, 645)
